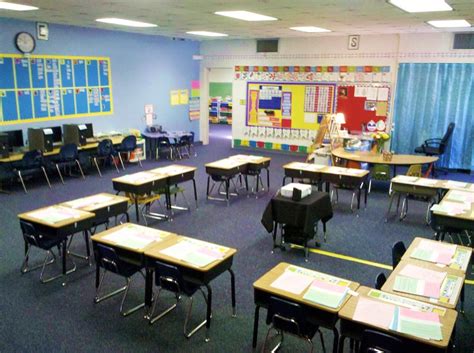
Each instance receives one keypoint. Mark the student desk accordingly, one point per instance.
(198, 275)
(64, 222)
(453, 294)
(303, 215)
(461, 257)
(151, 139)
(225, 170)
(354, 329)
(254, 166)
(444, 221)
(321, 315)
(300, 170)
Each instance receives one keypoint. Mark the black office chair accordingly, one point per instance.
(105, 152)
(33, 238)
(380, 280)
(164, 145)
(107, 258)
(291, 318)
(398, 250)
(31, 164)
(68, 158)
(255, 172)
(436, 146)
(378, 342)
(168, 277)
(128, 145)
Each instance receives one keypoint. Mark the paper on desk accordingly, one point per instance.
(88, 201)
(427, 182)
(448, 208)
(325, 293)
(420, 324)
(292, 282)
(416, 286)
(456, 184)
(132, 237)
(54, 214)
(193, 253)
(460, 196)
(374, 312)
(434, 252)
(422, 273)
(405, 178)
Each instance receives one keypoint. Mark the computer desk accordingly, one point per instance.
(321, 315)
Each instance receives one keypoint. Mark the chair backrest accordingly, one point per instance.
(108, 259)
(447, 135)
(191, 137)
(380, 280)
(398, 249)
(374, 341)
(30, 234)
(68, 152)
(129, 143)
(287, 316)
(381, 172)
(105, 148)
(32, 159)
(169, 277)
(414, 170)
(163, 141)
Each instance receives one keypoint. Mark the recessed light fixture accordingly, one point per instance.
(449, 23)
(128, 23)
(310, 29)
(16, 7)
(207, 34)
(421, 5)
(246, 15)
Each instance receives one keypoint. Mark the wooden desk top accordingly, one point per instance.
(376, 158)
(324, 169)
(451, 206)
(95, 202)
(155, 253)
(56, 216)
(464, 262)
(226, 164)
(264, 284)
(172, 170)
(139, 178)
(120, 236)
(449, 303)
(307, 167)
(448, 320)
(251, 159)
(433, 183)
(15, 157)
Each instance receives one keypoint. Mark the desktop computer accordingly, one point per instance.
(89, 131)
(15, 139)
(57, 135)
(40, 139)
(76, 134)
(4, 148)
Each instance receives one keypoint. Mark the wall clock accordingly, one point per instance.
(25, 42)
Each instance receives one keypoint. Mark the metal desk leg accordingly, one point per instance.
(64, 243)
(366, 193)
(195, 193)
(255, 326)
(268, 178)
(232, 286)
(207, 190)
(283, 182)
(148, 291)
(209, 311)
(389, 206)
(462, 299)
(341, 344)
(336, 339)
(97, 274)
(227, 185)
(137, 212)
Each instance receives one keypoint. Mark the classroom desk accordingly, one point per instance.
(461, 257)
(354, 329)
(451, 299)
(71, 222)
(300, 170)
(321, 315)
(15, 157)
(151, 139)
(446, 220)
(377, 158)
(254, 166)
(198, 275)
(303, 214)
(225, 170)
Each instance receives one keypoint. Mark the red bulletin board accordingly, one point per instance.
(354, 109)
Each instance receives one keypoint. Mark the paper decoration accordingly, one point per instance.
(382, 94)
(174, 97)
(183, 96)
(381, 109)
(194, 108)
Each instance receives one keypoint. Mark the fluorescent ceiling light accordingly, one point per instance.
(122, 22)
(207, 34)
(449, 23)
(16, 7)
(310, 29)
(421, 5)
(245, 15)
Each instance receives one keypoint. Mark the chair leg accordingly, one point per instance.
(22, 182)
(97, 166)
(60, 275)
(277, 347)
(322, 341)
(46, 176)
(80, 168)
(188, 316)
(132, 310)
(121, 160)
(152, 319)
(24, 266)
(139, 161)
(59, 172)
(98, 298)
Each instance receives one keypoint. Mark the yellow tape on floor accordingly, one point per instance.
(357, 260)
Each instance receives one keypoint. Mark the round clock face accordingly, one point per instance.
(25, 42)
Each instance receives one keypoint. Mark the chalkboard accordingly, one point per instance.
(42, 87)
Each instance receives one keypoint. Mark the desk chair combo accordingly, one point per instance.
(105, 153)
(31, 164)
(128, 145)
(68, 158)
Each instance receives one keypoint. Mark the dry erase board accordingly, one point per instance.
(42, 87)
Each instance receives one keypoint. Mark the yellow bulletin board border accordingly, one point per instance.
(295, 93)
(61, 117)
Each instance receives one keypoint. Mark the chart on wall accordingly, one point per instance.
(42, 87)
(289, 105)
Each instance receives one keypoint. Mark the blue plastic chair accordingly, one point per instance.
(105, 152)
(378, 342)
(31, 164)
(68, 158)
(398, 250)
(128, 145)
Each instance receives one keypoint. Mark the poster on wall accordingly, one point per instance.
(289, 104)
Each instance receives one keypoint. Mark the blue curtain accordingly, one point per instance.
(428, 98)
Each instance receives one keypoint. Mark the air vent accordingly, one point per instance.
(463, 41)
(267, 45)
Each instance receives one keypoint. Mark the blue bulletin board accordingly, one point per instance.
(45, 87)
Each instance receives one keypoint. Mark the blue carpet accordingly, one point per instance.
(50, 318)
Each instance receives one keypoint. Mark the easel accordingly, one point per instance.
(328, 129)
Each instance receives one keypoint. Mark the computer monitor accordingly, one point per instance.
(90, 131)
(57, 134)
(15, 138)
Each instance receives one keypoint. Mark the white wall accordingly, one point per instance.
(377, 50)
(221, 74)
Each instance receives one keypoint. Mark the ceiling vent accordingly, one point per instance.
(463, 41)
(267, 45)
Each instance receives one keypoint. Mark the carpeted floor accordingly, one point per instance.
(52, 318)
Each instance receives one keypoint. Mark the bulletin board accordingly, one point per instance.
(289, 105)
(42, 87)
(362, 103)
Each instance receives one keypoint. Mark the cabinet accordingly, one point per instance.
(220, 111)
